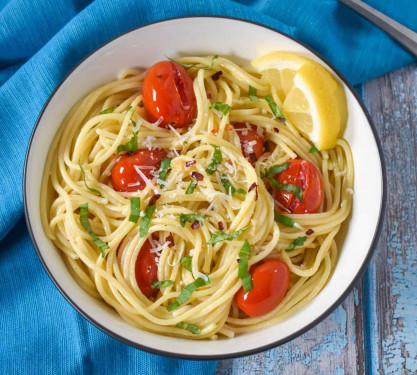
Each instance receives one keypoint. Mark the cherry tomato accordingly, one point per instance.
(146, 270)
(250, 135)
(125, 176)
(168, 93)
(306, 176)
(270, 280)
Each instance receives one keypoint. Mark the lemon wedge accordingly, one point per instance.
(313, 101)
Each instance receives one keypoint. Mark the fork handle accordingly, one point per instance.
(403, 35)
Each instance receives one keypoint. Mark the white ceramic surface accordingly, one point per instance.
(243, 40)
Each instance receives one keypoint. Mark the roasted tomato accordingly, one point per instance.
(125, 175)
(146, 270)
(251, 142)
(306, 176)
(270, 281)
(168, 95)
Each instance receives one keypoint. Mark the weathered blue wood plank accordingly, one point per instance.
(391, 281)
(329, 348)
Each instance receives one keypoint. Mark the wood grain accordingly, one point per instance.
(375, 329)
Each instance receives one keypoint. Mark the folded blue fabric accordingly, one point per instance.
(40, 41)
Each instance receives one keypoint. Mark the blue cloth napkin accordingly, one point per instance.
(40, 41)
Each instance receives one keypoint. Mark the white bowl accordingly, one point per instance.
(202, 36)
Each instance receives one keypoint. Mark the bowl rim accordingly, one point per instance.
(259, 349)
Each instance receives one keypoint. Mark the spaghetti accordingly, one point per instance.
(198, 212)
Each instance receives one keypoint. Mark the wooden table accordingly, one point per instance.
(374, 331)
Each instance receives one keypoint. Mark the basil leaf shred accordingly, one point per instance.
(313, 149)
(165, 164)
(184, 218)
(253, 94)
(221, 236)
(85, 182)
(189, 327)
(215, 162)
(188, 66)
(108, 110)
(222, 107)
(186, 263)
(243, 269)
(134, 209)
(132, 145)
(229, 187)
(299, 241)
(284, 220)
(144, 223)
(86, 225)
(161, 284)
(191, 187)
(274, 108)
(187, 291)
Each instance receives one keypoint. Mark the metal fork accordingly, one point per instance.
(403, 35)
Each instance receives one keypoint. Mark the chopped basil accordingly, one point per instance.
(144, 223)
(187, 291)
(274, 108)
(275, 169)
(134, 209)
(299, 241)
(215, 162)
(184, 218)
(222, 107)
(313, 149)
(93, 126)
(297, 191)
(188, 66)
(252, 94)
(165, 164)
(189, 327)
(284, 220)
(221, 236)
(161, 284)
(186, 263)
(86, 225)
(228, 186)
(243, 270)
(108, 110)
(132, 145)
(85, 182)
(191, 187)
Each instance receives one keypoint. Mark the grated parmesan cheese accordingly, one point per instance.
(148, 142)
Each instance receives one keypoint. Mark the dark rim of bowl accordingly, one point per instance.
(261, 348)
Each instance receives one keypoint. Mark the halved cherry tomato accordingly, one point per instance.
(246, 135)
(168, 93)
(306, 176)
(125, 176)
(146, 270)
(270, 280)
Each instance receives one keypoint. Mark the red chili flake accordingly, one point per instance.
(208, 95)
(220, 225)
(281, 119)
(253, 157)
(276, 130)
(214, 130)
(229, 127)
(309, 232)
(216, 75)
(195, 224)
(170, 239)
(254, 186)
(197, 176)
(153, 200)
(159, 76)
(230, 162)
(190, 163)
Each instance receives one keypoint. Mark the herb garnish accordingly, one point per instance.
(222, 107)
(284, 220)
(215, 162)
(243, 269)
(313, 149)
(187, 291)
(184, 218)
(108, 110)
(274, 108)
(144, 223)
(221, 236)
(188, 66)
(299, 241)
(132, 145)
(297, 191)
(85, 182)
(161, 284)
(189, 327)
(86, 225)
(186, 263)
(253, 95)
(134, 209)
(229, 187)
(165, 164)
(191, 187)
